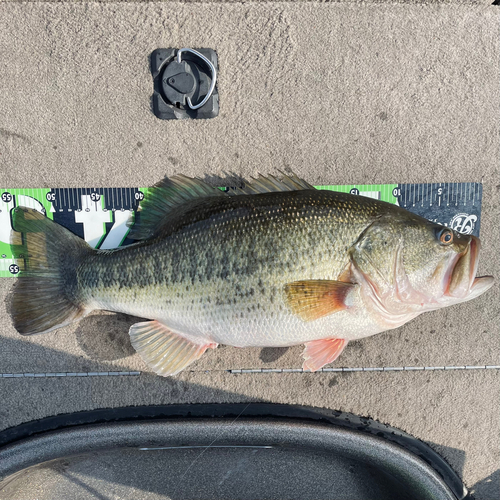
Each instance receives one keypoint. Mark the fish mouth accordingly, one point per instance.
(460, 280)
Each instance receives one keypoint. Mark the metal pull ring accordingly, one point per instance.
(213, 76)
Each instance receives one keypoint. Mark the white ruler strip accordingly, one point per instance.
(67, 374)
(262, 370)
(375, 369)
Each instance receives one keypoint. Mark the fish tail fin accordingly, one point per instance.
(46, 296)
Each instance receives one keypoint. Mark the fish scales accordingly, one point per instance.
(225, 254)
(275, 263)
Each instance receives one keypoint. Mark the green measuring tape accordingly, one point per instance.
(100, 215)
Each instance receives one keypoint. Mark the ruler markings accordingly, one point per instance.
(422, 196)
(366, 369)
(68, 374)
(262, 370)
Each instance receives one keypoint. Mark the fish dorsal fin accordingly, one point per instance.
(313, 299)
(271, 184)
(163, 199)
(169, 195)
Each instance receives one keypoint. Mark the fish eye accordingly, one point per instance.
(445, 236)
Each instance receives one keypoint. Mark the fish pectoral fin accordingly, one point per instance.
(164, 351)
(319, 353)
(313, 299)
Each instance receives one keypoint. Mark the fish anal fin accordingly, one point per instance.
(165, 352)
(313, 299)
(319, 353)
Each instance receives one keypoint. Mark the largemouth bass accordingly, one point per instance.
(276, 263)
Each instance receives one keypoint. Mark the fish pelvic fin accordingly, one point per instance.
(313, 299)
(319, 353)
(46, 295)
(163, 202)
(164, 351)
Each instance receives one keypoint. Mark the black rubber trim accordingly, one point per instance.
(230, 411)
